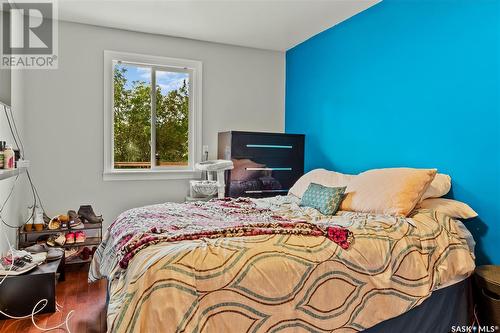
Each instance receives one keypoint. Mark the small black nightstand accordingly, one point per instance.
(19, 294)
(488, 282)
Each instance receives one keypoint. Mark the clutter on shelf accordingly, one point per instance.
(70, 220)
(75, 235)
(8, 156)
(19, 262)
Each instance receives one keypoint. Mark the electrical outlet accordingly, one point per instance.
(204, 155)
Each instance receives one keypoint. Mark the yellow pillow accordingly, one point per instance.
(453, 208)
(439, 187)
(393, 191)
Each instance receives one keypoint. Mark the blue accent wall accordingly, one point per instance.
(407, 83)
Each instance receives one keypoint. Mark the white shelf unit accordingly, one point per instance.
(4, 174)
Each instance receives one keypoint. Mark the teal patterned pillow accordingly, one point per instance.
(325, 199)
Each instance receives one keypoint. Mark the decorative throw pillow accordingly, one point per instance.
(322, 177)
(325, 199)
(393, 191)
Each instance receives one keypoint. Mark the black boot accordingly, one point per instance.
(86, 213)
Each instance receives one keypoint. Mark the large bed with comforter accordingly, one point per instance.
(272, 265)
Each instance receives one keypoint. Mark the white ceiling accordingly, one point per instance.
(272, 24)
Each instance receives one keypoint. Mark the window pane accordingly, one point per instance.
(172, 118)
(132, 116)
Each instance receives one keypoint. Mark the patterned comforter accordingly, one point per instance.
(269, 265)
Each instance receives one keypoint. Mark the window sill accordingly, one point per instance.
(150, 174)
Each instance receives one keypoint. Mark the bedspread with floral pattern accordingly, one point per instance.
(272, 266)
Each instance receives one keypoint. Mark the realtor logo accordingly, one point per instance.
(29, 35)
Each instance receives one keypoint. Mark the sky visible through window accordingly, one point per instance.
(167, 81)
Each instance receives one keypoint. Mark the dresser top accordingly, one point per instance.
(263, 133)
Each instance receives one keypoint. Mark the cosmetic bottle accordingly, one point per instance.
(8, 158)
(2, 148)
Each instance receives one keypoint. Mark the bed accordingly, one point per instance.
(270, 265)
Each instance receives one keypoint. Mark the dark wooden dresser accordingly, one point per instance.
(265, 164)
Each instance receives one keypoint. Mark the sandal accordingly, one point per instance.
(70, 253)
(54, 223)
(57, 239)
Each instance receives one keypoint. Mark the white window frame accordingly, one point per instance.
(195, 117)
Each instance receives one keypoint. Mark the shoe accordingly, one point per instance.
(63, 218)
(71, 252)
(37, 248)
(42, 239)
(74, 220)
(80, 237)
(85, 253)
(78, 226)
(86, 213)
(38, 218)
(50, 241)
(54, 223)
(70, 238)
(60, 240)
(57, 239)
(39, 258)
(54, 254)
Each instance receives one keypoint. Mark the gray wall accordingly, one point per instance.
(11, 213)
(15, 210)
(243, 89)
(5, 85)
(8, 213)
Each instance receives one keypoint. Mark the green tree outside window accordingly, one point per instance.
(132, 123)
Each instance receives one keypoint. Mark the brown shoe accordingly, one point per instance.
(86, 213)
(74, 220)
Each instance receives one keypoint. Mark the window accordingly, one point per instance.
(152, 108)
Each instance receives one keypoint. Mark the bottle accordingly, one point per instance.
(8, 157)
(2, 148)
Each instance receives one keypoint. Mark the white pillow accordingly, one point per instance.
(322, 177)
(453, 208)
(439, 187)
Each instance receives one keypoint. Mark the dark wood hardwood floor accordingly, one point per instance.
(88, 301)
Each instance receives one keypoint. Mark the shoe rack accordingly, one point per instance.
(93, 238)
